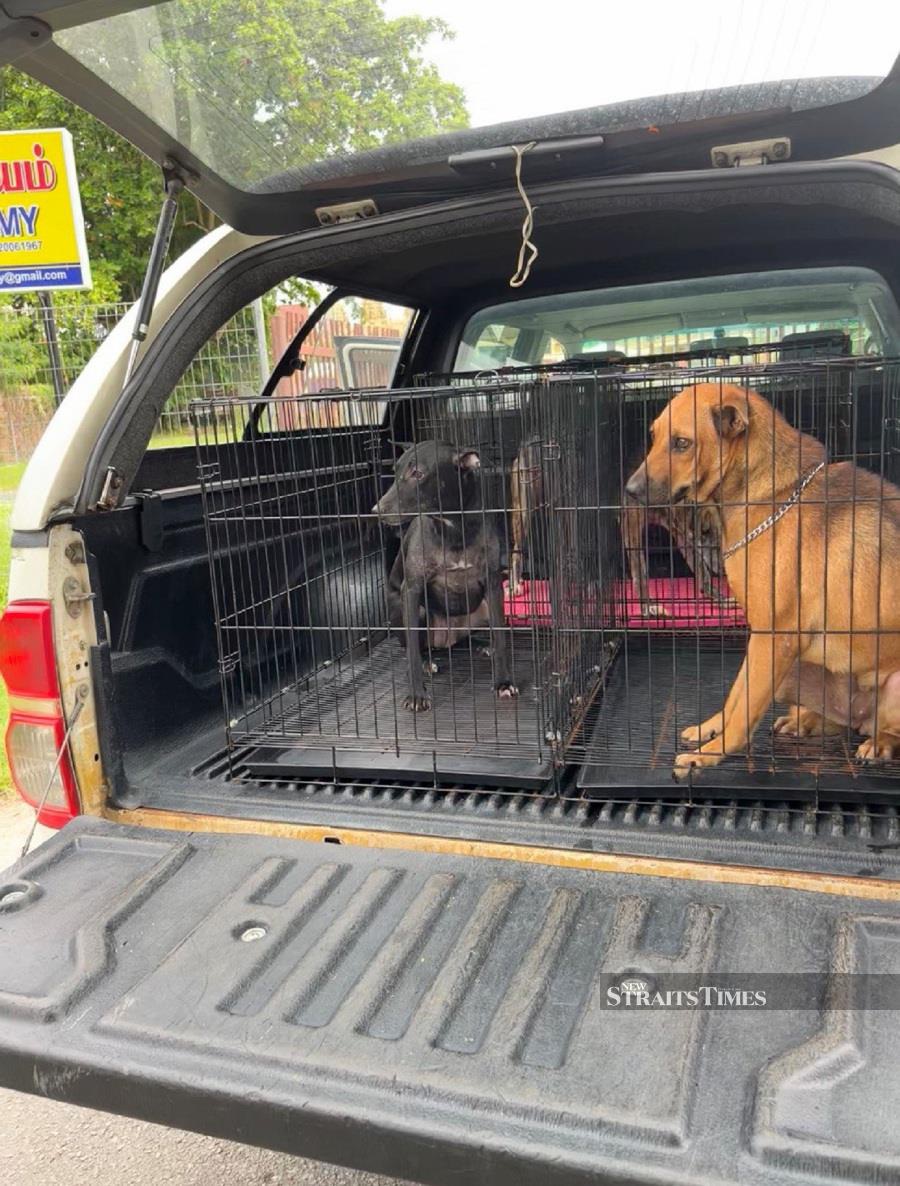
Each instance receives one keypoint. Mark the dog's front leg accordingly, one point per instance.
(503, 684)
(633, 525)
(412, 594)
(750, 696)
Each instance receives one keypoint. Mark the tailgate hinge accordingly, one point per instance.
(75, 596)
(751, 152)
(150, 520)
(346, 212)
(112, 488)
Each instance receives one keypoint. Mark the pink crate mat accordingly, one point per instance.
(529, 606)
(678, 602)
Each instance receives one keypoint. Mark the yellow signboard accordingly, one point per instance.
(41, 225)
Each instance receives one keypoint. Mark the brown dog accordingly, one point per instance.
(819, 583)
(695, 531)
(836, 702)
(527, 488)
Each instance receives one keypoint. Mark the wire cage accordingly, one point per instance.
(694, 639)
(306, 575)
(621, 622)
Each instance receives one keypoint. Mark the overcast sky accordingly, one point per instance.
(516, 60)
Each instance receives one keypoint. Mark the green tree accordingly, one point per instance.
(20, 350)
(257, 86)
(119, 187)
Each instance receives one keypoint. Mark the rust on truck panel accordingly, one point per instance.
(73, 637)
(875, 889)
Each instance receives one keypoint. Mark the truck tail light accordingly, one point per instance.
(37, 730)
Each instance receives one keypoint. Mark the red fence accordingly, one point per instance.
(323, 370)
(23, 419)
(337, 354)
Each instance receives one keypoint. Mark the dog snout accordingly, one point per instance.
(388, 509)
(636, 486)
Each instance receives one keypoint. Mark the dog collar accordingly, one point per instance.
(776, 515)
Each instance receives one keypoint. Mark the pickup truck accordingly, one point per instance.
(421, 976)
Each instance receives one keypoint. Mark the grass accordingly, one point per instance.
(172, 440)
(10, 476)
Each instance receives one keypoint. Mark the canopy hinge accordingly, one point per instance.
(112, 489)
(346, 212)
(751, 152)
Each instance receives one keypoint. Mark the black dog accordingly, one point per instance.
(445, 582)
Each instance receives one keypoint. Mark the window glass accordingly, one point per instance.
(355, 346)
(679, 316)
(254, 89)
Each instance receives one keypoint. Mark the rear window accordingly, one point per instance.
(685, 316)
(252, 90)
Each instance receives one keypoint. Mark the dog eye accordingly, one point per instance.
(414, 474)
(681, 444)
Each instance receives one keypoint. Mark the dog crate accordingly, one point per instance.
(314, 669)
(680, 634)
(620, 622)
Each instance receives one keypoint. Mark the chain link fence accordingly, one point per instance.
(43, 348)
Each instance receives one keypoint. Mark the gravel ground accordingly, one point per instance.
(44, 1143)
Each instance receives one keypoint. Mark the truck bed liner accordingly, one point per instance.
(435, 1016)
(193, 776)
(346, 717)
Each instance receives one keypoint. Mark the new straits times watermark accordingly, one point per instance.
(638, 990)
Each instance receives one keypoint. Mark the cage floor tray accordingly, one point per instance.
(348, 719)
(658, 687)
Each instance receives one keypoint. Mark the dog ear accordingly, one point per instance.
(730, 421)
(468, 459)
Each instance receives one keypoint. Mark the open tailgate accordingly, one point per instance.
(273, 122)
(435, 1015)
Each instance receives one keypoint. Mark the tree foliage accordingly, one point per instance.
(120, 188)
(254, 86)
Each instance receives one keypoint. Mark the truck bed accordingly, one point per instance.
(427, 1015)
(198, 776)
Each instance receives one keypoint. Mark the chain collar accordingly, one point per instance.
(776, 515)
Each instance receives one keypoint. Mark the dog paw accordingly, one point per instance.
(507, 691)
(417, 703)
(430, 667)
(485, 652)
(788, 725)
(803, 722)
(798, 723)
(695, 760)
(697, 734)
(874, 750)
(655, 610)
